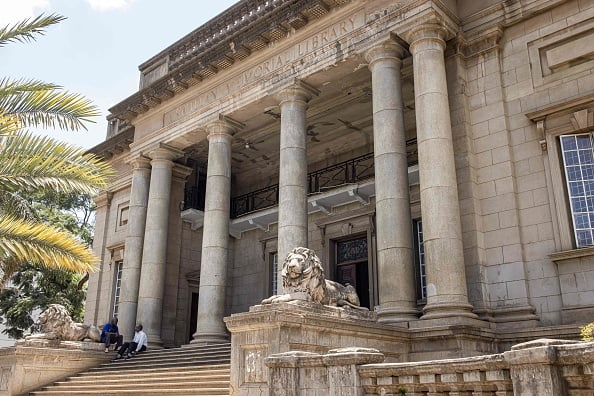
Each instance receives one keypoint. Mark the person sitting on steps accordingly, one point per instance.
(138, 344)
(111, 334)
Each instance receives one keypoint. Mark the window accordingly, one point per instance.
(117, 286)
(420, 259)
(124, 216)
(578, 160)
(273, 273)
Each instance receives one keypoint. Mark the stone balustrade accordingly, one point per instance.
(536, 368)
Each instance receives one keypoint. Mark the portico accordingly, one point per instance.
(339, 126)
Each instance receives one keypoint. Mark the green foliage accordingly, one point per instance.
(32, 288)
(587, 332)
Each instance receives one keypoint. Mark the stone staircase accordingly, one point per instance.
(200, 370)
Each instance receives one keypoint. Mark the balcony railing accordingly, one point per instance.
(351, 171)
(194, 198)
(254, 200)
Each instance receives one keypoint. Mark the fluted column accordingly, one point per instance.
(215, 241)
(442, 232)
(292, 206)
(394, 228)
(139, 193)
(154, 253)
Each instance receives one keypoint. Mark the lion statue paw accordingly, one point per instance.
(303, 279)
(56, 324)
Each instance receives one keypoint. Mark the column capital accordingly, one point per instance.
(223, 126)
(299, 91)
(433, 31)
(139, 162)
(164, 152)
(388, 50)
(181, 172)
(103, 199)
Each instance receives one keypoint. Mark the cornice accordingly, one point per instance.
(505, 14)
(114, 145)
(233, 35)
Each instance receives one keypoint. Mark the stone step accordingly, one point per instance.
(139, 375)
(143, 365)
(140, 392)
(152, 384)
(203, 370)
(140, 378)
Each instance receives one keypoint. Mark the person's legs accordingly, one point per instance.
(123, 350)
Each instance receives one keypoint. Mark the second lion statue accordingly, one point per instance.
(57, 324)
(303, 279)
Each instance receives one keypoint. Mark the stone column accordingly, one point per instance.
(394, 227)
(292, 205)
(215, 241)
(442, 232)
(139, 192)
(154, 253)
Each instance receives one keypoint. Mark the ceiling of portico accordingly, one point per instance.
(339, 122)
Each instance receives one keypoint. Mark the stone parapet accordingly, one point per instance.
(35, 363)
(282, 327)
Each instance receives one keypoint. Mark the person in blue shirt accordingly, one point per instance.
(138, 344)
(110, 334)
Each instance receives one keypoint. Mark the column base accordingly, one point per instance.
(448, 310)
(396, 316)
(213, 338)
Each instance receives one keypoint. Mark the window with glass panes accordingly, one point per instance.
(117, 286)
(578, 160)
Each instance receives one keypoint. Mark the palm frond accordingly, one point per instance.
(13, 204)
(34, 163)
(41, 244)
(10, 86)
(25, 31)
(37, 104)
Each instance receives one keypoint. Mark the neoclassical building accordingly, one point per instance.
(438, 155)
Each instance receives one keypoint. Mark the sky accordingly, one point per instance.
(97, 50)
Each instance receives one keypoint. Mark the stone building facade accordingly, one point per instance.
(438, 155)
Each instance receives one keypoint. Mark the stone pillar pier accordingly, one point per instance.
(292, 207)
(139, 193)
(394, 227)
(442, 232)
(215, 241)
(154, 253)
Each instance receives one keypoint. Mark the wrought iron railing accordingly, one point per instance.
(354, 170)
(351, 171)
(194, 198)
(254, 200)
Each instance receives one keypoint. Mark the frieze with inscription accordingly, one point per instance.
(298, 52)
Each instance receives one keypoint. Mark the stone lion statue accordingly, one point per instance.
(57, 324)
(303, 279)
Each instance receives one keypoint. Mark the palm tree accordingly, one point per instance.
(30, 164)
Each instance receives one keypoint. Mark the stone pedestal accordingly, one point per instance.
(277, 328)
(30, 365)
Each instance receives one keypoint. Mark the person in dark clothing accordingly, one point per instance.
(137, 345)
(110, 334)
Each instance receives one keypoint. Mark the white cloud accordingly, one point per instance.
(107, 5)
(16, 11)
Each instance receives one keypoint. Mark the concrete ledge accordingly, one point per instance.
(32, 364)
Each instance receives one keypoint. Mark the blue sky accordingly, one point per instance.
(97, 50)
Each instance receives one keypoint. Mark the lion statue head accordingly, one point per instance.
(303, 279)
(56, 324)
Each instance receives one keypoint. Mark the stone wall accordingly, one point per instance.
(538, 368)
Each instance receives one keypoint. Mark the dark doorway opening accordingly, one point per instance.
(352, 266)
(193, 315)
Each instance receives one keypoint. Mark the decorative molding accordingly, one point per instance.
(238, 32)
(572, 254)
